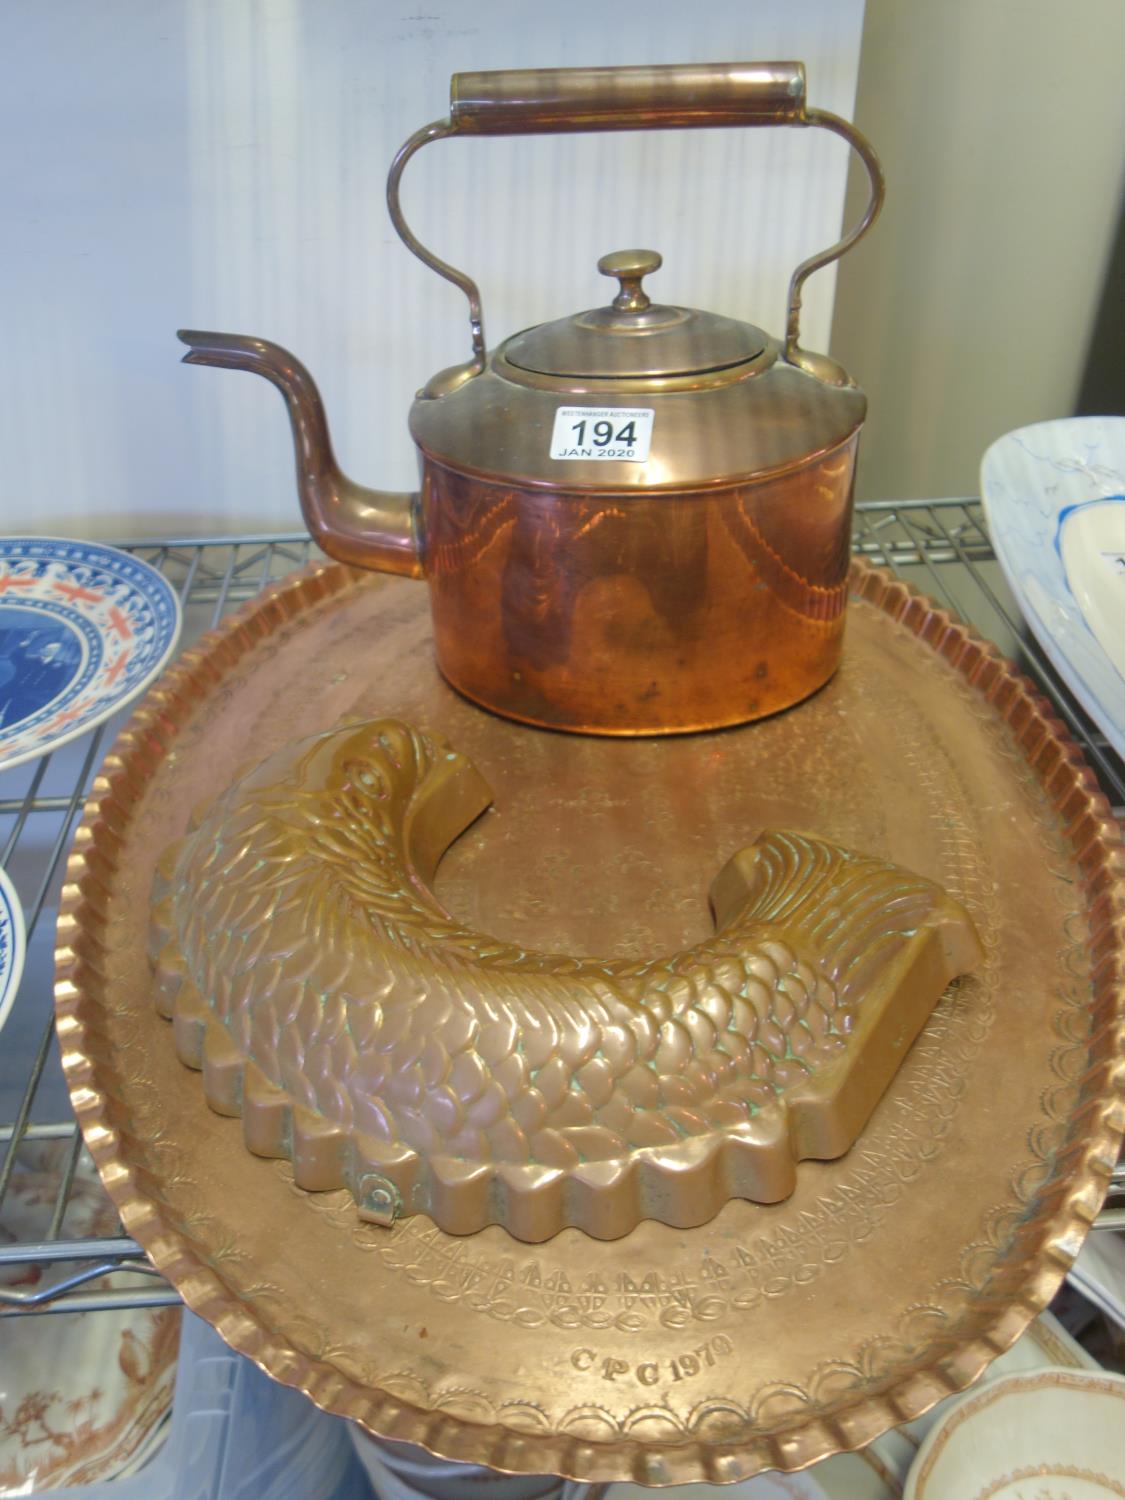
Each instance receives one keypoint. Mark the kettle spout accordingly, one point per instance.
(367, 528)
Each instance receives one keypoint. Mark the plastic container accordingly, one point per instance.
(237, 1435)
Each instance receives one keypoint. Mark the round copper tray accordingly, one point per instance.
(772, 1336)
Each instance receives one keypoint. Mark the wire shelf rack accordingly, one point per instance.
(64, 1258)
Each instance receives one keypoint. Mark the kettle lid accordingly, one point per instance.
(634, 337)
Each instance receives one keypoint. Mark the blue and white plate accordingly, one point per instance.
(84, 628)
(1054, 495)
(12, 945)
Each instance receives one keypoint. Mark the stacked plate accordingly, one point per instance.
(84, 629)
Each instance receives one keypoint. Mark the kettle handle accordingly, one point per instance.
(534, 101)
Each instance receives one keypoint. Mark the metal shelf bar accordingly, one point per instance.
(26, 804)
(59, 1289)
(52, 1131)
(874, 507)
(36, 805)
(217, 539)
(66, 1182)
(189, 577)
(224, 590)
(62, 840)
(23, 1113)
(45, 1251)
(124, 1299)
(946, 540)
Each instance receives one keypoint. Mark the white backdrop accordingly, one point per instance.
(221, 164)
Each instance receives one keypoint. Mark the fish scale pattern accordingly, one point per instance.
(325, 993)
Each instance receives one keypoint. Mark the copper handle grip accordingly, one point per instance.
(526, 101)
(530, 101)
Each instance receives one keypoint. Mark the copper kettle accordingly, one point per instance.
(632, 520)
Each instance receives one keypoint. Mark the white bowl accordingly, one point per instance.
(1050, 1434)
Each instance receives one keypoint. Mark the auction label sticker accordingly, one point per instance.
(620, 433)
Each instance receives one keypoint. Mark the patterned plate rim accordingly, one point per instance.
(10, 977)
(109, 706)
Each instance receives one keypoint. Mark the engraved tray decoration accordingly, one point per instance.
(773, 1335)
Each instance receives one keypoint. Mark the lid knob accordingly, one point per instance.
(629, 266)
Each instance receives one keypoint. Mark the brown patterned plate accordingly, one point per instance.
(771, 1336)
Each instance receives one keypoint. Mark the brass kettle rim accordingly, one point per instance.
(599, 343)
(683, 486)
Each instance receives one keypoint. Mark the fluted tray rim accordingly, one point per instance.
(1050, 1239)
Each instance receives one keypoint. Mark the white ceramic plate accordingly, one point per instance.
(1054, 495)
(12, 945)
(1053, 1433)
(84, 628)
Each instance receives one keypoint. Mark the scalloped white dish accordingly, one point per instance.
(1054, 496)
(1056, 1434)
(84, 628)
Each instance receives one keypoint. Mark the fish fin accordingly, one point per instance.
(848, 914)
